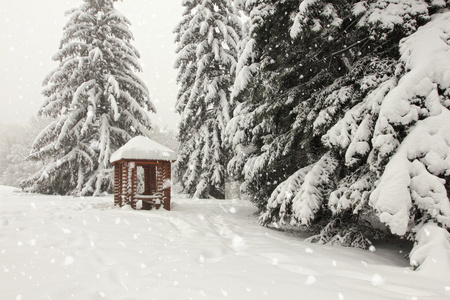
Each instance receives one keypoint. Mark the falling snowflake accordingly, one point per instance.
(310, 280)
(69, 260)
(377, 279)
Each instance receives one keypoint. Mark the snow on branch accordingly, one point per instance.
(355, 129)
(115, 15)
(414, 176)
(89, 118)
(298, 199)
(43, 136)
(70, 121)
(134, 105)
(281, 198)
(245, 68)
(384, 16)
(352, 192)
(104, 135)
(307, 15)
(431, 252)
(96, 54)
(82, 90)
(309, 197)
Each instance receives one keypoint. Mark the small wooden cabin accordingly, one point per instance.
(155, 161)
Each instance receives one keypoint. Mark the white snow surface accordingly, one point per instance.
(54, 247)
(141, 147)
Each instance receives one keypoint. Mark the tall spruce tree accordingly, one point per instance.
(207, 39)
(343, 110)
(97, 102)
(270, 133)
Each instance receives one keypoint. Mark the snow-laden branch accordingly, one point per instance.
(413, 176)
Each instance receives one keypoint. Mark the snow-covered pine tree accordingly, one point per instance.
(390, 144)
(97, 102)
(207, 40)
(410, 141)
(399, 133)
(238, 132)
(270, 131)
(260, 116)
(340, 55)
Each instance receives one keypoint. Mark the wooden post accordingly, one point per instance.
(133, 184)
(146, 180)
(118, 184)
(125, 194)
(158, 183)
(159, 178)
(147, 186)
(167, 184)
(152, 179)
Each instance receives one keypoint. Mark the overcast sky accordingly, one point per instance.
(30, 33)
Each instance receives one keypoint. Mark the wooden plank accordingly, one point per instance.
(118, 185)
(167, 189)
(125, 192)
(147, 180)
(152, 179)
(133, 185)
(143, 197)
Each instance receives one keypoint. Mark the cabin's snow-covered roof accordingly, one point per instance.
(141, 147)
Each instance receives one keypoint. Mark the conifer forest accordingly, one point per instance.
(328, 121)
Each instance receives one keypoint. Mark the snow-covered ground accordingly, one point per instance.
(85, 248)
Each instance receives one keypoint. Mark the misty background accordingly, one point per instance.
(30, 34)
